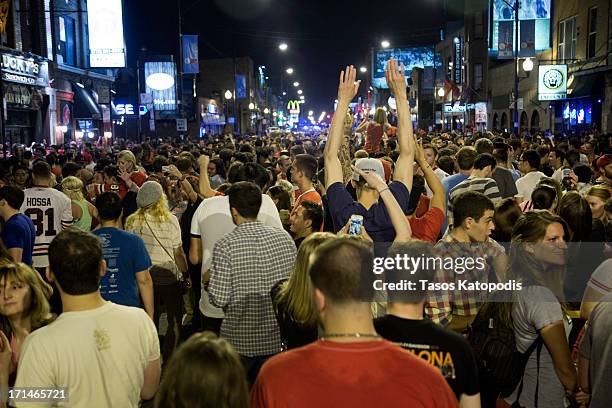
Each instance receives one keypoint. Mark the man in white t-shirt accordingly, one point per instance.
(50, 210)
(212, 221)
(102, 354)
(529, 164)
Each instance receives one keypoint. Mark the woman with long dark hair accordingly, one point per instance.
(537, 313)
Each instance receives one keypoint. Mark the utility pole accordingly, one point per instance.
(181, 62)
(516, 67)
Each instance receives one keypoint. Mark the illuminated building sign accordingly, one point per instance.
(534, 27)
(160, 80)
(552, 82)
(24, 70)
(106, 42)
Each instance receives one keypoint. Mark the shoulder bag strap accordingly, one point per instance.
(158, 241)
(537, 343)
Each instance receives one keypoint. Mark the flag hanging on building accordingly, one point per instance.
(241, 90)
(190, 54)
(505, 40)
(4, 9)
(527, 32)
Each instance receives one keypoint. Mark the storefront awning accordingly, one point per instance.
(585, 85)
(85, 107)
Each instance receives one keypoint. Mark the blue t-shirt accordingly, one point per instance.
(19, 232)
(376, 220)
(125, 255)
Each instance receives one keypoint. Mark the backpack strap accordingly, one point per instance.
(537, 344)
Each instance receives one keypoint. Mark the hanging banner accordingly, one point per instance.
(4, 9)
(506, 40)
(241, 92)
(527, 33)
(191, 64)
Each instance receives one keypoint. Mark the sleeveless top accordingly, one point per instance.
(84, 223)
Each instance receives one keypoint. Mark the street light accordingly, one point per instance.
(283, 47)
(296, 84)
(266, 111)
(289, 71)
(300, 92)
(251, 106)
(441, 92)
(302, 97)
(385, 44)
(284, 93)
(528, 65)
(363, 70)
(228, 94)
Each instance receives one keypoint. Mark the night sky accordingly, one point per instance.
(323, 35)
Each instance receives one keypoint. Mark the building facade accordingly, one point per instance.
(52, 95)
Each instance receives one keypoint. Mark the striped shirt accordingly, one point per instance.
(51, 211)
(246, 263)
(486, 186)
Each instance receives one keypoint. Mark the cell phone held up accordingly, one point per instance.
(355, 225)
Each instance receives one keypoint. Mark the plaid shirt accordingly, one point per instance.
(441, 305)
(246, 263)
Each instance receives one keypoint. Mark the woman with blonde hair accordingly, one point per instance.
(291, 298)
(23, 309)
(132, 175)
(597, 196)
(83, 212)
(161, 233)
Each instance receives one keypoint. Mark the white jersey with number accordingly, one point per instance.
(51, 211)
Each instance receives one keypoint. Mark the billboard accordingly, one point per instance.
(160, 80)
(534, 27)
(106, 43)
(413, 57)
(552, 82)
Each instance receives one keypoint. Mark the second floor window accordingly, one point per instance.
(566, 42)
(592, 37)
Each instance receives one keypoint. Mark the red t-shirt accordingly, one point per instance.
(363, 374)
(139, 178)
(427, 228)
(374, 134)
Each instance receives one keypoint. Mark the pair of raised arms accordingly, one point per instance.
(348, 87)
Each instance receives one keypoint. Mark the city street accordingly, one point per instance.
(281, 203)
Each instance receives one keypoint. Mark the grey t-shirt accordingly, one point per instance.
(535, 308)
(597, 342)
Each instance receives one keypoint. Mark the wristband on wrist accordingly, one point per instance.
(383, 190)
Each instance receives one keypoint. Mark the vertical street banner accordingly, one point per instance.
(4, 9)
(527, 33)
(241, 91)
(505, 39)
(191, 63)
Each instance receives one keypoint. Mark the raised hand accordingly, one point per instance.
(419, 152)
(372, 179)
(396, 78)
(203, 161)
(348, 87)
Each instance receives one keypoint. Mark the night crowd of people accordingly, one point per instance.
(236, 270)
